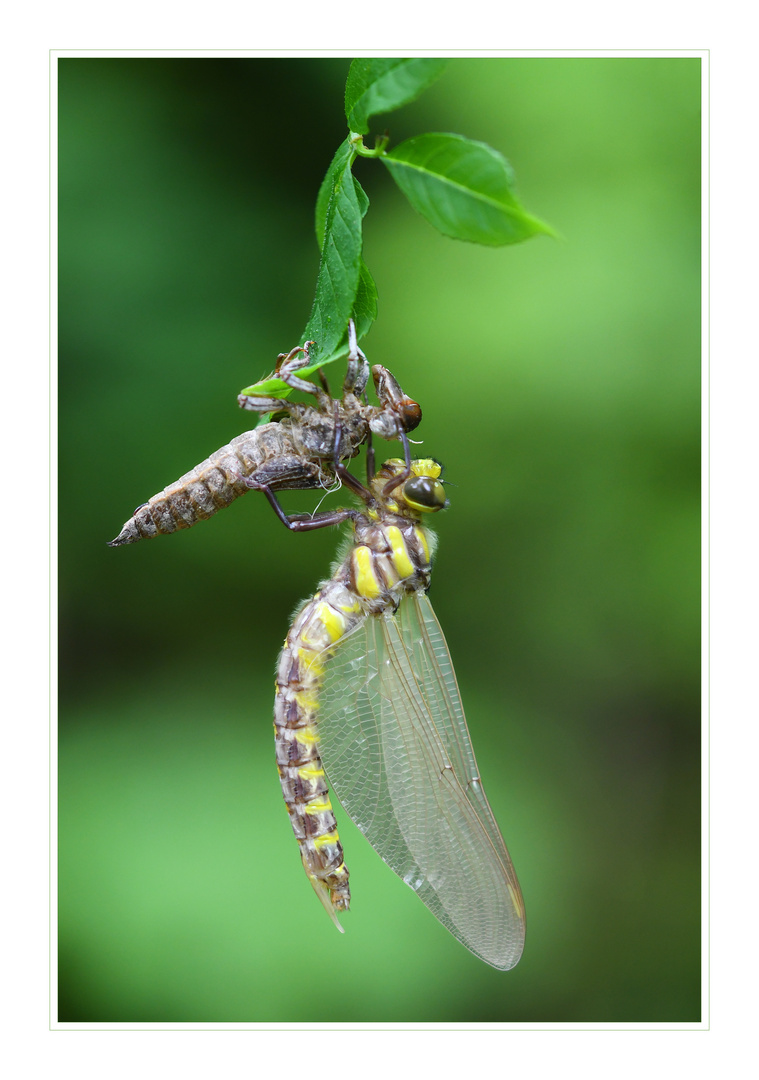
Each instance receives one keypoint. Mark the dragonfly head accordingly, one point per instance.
(421, 493)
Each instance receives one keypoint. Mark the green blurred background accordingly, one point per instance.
(560, 383)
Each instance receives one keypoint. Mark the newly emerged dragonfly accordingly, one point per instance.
(294, 452)
(366, 696)
(367, 702)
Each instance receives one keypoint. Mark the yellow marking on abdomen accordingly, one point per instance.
(367, 584)
(307, 700)
(328, 838)
(318, 807)
(401, 560)
(312, 662)
(306, 736)
(310, 772)
(332, 621)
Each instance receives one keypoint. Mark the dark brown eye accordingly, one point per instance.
(423, 493)
(411, 414)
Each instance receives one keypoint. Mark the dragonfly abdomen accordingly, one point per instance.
(301, 450)
(266, 454)
(319, 625)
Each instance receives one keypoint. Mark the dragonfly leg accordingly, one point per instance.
(299, 522)
(263, 404)
(289, 363)
(357, 375)
(370, 465)
(402, 477)
(347, 478)
(286, 366)
(324, 383)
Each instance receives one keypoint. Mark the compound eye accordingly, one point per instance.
(411, 414)
(423, 493)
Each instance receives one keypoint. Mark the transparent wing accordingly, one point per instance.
(397, 753)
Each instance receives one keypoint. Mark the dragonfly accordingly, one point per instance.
(367, 703)
(294, 452)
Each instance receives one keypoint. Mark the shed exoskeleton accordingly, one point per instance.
(296, 451)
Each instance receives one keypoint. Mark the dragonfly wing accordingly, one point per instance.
(397, 752)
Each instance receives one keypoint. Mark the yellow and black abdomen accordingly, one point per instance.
(319, 625)
(387, 560)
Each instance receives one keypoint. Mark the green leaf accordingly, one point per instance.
(382, 84)
(365, 304)
(344, 286)
(464, 188)
(337, 280)
(344, 158)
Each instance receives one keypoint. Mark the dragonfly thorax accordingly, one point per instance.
(313, 429)
(389, 559)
